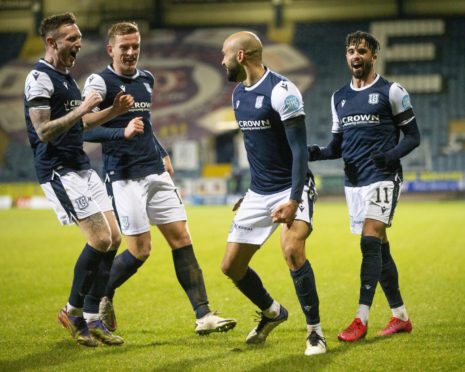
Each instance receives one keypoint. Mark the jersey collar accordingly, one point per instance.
(252, 87)
(366, 86)
(41, 60)
(132, 77)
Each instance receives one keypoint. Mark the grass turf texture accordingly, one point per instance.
(157, 322)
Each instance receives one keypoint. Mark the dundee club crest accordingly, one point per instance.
(373, 98)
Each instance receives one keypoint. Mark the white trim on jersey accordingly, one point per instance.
(252, 87)
(336, 128)
(132, 77)
(38, 85)
(287, 100)
(66, 71)
(365, 86)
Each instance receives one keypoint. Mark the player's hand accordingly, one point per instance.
(168, 166)
(379, 159)
(122, 103)
(237, 204)
(134, 127)
(91, 100)
(285, 213)
(314, 152)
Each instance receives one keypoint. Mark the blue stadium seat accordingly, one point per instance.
(14, 41)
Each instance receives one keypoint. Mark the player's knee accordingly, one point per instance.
(227, 269)
(102, 243)
(143, 256)
(181, 240)
(115, 241)
(142, 252)
(232, 272)
(294, 256)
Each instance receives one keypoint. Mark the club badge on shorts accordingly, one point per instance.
(124, 220)
(82, 202)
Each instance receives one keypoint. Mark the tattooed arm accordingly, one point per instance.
(48, 130)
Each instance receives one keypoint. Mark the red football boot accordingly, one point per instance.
(396, 325)
(354, 332)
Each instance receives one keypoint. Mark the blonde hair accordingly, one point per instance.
(121, 28)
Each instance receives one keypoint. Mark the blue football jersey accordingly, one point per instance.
(49, 89)
(140, 155)
(260, 111)
(369, 119)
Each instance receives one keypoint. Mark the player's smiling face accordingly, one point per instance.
(124, 50)
(360, 60)
(67, 44)
(234, 70)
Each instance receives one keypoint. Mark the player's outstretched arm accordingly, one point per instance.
(47, 130)
(101, 134)
(121, 104)
(331, 151)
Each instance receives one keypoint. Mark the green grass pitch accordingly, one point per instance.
(157, 322)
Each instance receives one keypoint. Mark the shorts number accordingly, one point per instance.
(378, 195)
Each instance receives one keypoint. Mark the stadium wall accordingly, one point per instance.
(24, 15)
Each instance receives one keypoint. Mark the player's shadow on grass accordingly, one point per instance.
(301, 362)
(65, 352)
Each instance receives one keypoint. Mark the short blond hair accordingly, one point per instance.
(121, 28)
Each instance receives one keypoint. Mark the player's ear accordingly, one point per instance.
(240, 55)
(51, 42)
(110, 50)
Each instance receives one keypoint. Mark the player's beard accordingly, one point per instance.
(235, 73)
(362, 72)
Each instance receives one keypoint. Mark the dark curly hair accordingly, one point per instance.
(355, 38)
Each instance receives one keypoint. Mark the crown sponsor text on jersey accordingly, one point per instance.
(141, 106)
(254, 124)
(360, 119)
(72, 104)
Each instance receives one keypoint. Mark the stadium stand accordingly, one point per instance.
(438, 113)
(14, 41)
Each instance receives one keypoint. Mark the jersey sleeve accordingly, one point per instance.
(39, 87)
(287, 100)
(336, 128)
(400, 104)
(152, 77)
(95, 82)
